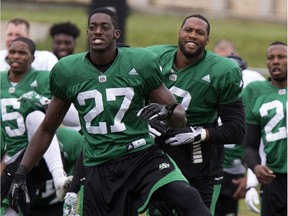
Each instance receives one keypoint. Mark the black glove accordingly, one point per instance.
(156, 111)
(18, 190)
(157, 127)
(180, 136)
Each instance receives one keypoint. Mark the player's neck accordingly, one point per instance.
(16, 77)
(279, 84)
(182, 61)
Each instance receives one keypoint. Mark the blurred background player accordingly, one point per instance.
(64, 37)
(266, 114)
(44, 60)
(233, 186)
(20, 119)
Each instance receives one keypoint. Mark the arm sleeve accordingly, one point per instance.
(233, 125)
(252, 145)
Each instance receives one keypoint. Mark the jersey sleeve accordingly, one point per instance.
(56, 76)
(231, 85)
(44, 87)
(152, 73)
(247, 97)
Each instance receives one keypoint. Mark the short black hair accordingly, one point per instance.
(65, 28)
(200, 17)
(107, 11)
(29, 42)
(277, 43)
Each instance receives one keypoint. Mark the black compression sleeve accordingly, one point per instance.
(252, 145)
(233, 125)
(78, 175)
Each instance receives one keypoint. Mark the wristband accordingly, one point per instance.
(247, 189)
(203, 134)
(171, 109)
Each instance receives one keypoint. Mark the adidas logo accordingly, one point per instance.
(34, 84)
(206, 78)
(133, 72)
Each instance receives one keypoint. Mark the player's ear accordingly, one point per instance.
(32, 59)
(117, 33)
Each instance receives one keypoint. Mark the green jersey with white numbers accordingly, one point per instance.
(108, 102)
(200, 88)
(14, 112)
(266, 106)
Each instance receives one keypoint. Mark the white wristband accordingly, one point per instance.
(203, 134)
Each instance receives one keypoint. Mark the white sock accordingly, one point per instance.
(52, 156)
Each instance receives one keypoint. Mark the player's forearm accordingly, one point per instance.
(252, 145)
(178, 118)
(36, 148)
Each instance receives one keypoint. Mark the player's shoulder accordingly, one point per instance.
(39, 74)
(73, 58)
(137, 53)
(162, 49)
(218, 60)
(256, 88)
(220, 66)
(3, 75)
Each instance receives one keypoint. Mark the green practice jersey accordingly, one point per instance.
(234, 158)
(266, 106)
(108, 102)
(14, 112)
(200, 88)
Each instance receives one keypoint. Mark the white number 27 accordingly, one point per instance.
(111, 95)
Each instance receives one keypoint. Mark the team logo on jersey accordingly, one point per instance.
(173, 77)
(11, 90)
(282, 91)
(133, 72)
(206, 78)
(164, 166)
(34, 84)
(102, 78)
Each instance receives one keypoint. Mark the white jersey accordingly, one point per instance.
(249, 76)
(44, 60)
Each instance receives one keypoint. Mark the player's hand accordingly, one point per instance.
(241, 189)
(181, 136)
(18, 190)
(70, 204)
(156, 111)
(33, 97)
(264, 174)
(252, 199)
(157, 127)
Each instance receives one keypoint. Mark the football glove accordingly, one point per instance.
(18, 190)
(70, 204)
(156, 111)
(157, 127)
(252, 199)
(181, 136)
(33, 97)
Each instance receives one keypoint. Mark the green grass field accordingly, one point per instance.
(251, 37)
